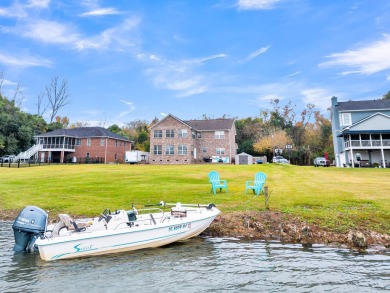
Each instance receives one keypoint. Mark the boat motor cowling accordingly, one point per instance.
(30, 222)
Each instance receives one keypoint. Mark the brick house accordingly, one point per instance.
(175, 141)
(85, 144)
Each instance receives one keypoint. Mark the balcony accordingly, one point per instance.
(364, 144)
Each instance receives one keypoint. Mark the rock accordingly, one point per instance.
(306, 231)
(357, 240)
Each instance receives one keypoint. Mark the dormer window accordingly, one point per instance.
(345, 119)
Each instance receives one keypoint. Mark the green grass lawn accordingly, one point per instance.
(334, 198)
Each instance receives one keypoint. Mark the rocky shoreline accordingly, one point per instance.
(269, 225)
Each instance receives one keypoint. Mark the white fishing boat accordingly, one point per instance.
(111, 232)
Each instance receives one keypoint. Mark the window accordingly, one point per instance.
(345, 119)
(219, 135)
(182, 149)
(157, 133)
(199, 135)
(193, 134)
(204, 149)
(157, 149)
(182, 133)
(102, 141)
(355, 137)
(220, 151)
(169, 133)
(88, 142)
(169, 149)
(78, 141)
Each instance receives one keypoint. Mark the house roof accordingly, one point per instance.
(371, 105)
(203, 125)
(83, 132)
(211, 124)
(166, 117)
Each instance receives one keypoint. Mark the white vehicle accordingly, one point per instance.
(112, 232)
(136, 157)
(8, 159)
(280, 159)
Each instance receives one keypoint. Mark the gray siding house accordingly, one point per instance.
(176, 141)
(361, 133)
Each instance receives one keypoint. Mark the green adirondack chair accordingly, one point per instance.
(216, 182)
(257, 184)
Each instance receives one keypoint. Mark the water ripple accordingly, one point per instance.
(198, 265)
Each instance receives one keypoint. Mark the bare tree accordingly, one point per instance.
(57, 95)
(41, 107)
(18, 96)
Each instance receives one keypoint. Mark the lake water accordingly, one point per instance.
(198, 265)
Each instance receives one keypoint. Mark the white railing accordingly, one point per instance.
(29, 153)
(366, 143)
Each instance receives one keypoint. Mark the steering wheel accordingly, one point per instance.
(104, 215)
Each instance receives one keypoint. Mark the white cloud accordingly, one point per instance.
(18, 10)
(370, 59)
(39, 3)
(101, 12)
(23, 61)
(14, 11)
(52, 32)
(178, 75)
(7, 82)
(293, 74)
(257, 53)
(116, 37)
(319, 97)
(130, 109)
(204, 59)
(295, 91)
(257, 4)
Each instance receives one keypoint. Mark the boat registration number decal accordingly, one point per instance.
(179, 227)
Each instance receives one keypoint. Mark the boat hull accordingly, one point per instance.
(125, 238)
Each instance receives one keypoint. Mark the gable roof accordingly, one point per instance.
(211, 124)
(83, 132)
(371, 105)
(202, 125)
(166, 117)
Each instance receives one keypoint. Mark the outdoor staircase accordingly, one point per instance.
(29, 153)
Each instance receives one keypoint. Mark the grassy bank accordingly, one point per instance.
(334, 198)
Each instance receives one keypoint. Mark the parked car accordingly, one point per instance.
(280, 159)
(320, 161)
(8, 159)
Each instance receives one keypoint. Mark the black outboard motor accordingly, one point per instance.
(30, 223)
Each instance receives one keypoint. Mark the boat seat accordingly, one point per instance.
(70, 223)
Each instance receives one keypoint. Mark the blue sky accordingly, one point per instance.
(126, 60)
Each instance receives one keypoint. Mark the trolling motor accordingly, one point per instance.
(28, 226)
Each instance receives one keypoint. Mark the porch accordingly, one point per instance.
(367, 150)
